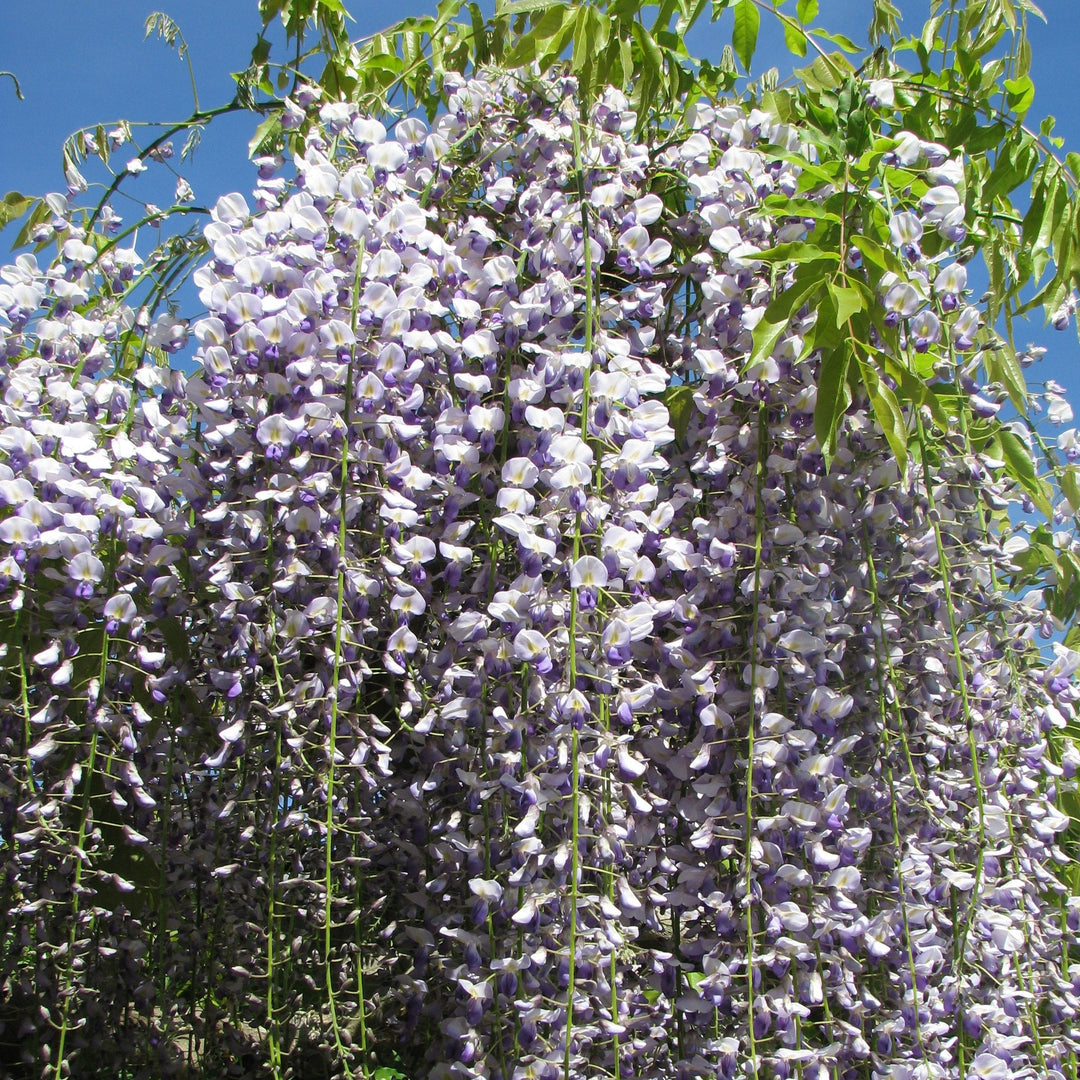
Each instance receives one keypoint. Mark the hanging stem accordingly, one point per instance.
(575, 738)
(882, 667)
(945, 569)
(748, 838)
(339, 636)
(80, 857)
(273, 1039)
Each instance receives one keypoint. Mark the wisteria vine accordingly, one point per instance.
(478, 665)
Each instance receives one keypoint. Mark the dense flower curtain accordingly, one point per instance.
(474, 667)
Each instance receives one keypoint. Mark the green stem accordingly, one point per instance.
(945, 573)
(273, 1038)
(197, 118)
(759, 530)
(575, 738)
(881, 667)
(79, 856)
(339, 635)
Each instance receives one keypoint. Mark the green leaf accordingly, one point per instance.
(650, 56)
(808, 282)
(794, 39)
(841, 40)
(848, 302)
(386, 62)
(1070, 487)
(1002, 366)
(744, 36)
(832, 399)
(191, 143)
(269, 8)
(626, 58)
(588, 41)
(38, 214)
(260, 53)
(885, 22)
(519, 7)
(826, 72)
(887, 412)
(1021, 467)
(941, 400)
(1020, 94)
(785, 206)
(929, 37)
(1066, 593)
(549, 27)
(1039, 557)
(336, 6)
(806, 11)
(680, 406)
(101, 140)
(875, 253)
(13, 207)
(1017, 161)
(266, 135)
(552, 47)
(797, 252)
(985, 138)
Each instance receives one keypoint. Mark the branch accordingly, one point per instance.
(196, 119)
(18, 89)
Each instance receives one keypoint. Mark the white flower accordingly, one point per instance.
(85, 567)
(882, 92)
(588, 573)
(487, 890)
(295, 625)
(520, 472)
(577, 459)
(635, 242)
(121, 608)
(530, 645)
(279, 430)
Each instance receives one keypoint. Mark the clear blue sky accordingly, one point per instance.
(82, 63)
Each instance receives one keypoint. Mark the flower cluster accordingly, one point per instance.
(474, 664)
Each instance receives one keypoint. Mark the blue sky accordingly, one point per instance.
(85, 63)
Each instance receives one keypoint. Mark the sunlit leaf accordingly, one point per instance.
(1021, 94)
(794, 39)
(1070, 487)
(13, 206)
(842, 40)
(1020, 466)
(744, 36)
(266, 136)
(848, 302)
